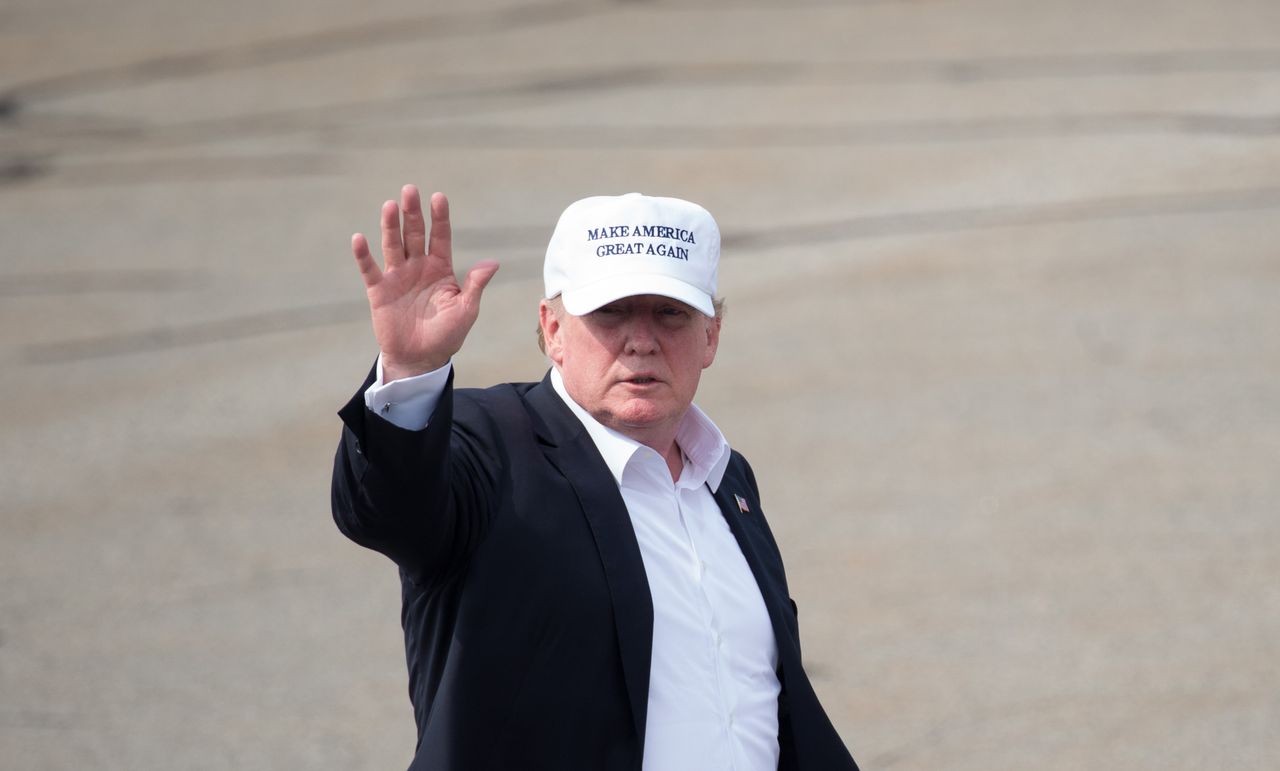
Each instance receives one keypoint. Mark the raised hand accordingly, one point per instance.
(421, 316)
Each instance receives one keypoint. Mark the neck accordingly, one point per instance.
(665, 445)
(660, 438)
(661, 441)
(675, 461)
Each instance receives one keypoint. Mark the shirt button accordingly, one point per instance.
(702, 569)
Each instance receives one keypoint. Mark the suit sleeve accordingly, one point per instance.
(424, 498)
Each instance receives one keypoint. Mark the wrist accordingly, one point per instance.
(396, 370)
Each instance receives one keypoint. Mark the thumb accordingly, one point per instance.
(477, 279)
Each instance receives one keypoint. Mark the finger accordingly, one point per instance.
(415, 227)
(392, 246)
(364, 260)
(477, 279)
(441, 230)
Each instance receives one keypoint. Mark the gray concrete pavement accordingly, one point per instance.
(1002, 346)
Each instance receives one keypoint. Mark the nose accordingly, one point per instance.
(641, 339)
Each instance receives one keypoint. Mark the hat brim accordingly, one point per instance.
(584, 299)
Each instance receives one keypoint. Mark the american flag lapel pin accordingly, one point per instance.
(742, 504)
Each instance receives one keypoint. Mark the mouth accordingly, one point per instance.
(641, 380)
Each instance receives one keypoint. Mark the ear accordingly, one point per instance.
(551, 332)
(713, 341)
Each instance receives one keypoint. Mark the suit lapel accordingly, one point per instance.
(771, 588)
(569, 448)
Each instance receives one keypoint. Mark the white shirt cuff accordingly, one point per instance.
(408, 402)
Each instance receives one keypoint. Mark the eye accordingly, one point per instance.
(610, 314)
(673, 314)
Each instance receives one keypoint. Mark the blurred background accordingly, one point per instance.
(1003, 346)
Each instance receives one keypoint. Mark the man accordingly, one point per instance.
(588, 580)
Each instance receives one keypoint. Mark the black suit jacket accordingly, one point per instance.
(526, 612)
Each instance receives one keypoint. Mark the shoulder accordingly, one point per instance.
(498, 411)
(740, 468)
(500, 398)
(495, 395)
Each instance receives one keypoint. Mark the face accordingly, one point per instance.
(634, 364)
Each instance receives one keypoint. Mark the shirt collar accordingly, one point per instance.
(705, 449)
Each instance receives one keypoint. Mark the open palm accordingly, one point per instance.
(421, 315)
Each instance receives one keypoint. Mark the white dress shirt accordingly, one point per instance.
(713, 687)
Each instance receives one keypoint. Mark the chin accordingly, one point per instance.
(641, 415)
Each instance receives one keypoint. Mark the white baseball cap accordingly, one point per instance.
(605, 248)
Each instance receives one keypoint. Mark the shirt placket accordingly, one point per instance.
(713, 624)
